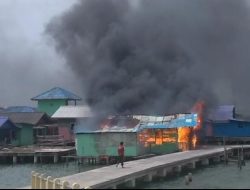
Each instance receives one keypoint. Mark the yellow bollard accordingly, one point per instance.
(37, 181)
(57, 184)
(42, 181)
(75, 186)
(65, 185)
(49, 184)
(33, 180)
(87, 187)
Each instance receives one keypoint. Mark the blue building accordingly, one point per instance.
(8, 131)
(225, 122)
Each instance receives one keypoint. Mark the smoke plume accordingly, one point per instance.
(157, 57)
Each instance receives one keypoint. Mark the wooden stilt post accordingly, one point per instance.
(225, 151)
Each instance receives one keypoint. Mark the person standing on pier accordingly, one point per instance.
(120, 150)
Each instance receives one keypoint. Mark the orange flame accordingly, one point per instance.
(199, 109)
(194, 140)
(188, 135)
(157, 137)
(184, 134)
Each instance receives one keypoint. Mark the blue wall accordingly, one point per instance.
(231, 129)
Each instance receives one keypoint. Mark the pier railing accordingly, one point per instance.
(40, 181)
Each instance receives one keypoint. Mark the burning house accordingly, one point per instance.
(141, 135)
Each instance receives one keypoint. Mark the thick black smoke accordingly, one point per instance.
(157, 56)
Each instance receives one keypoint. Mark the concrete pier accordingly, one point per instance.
(55, 158)
(14, 159)
(35, 159)
(192, 165)
(205, 162)
(216, 159)
(177, 168)
(131, 183)
(111, 176)
(162, 173)
(148, 177)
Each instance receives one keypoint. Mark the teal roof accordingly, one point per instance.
(56, 93)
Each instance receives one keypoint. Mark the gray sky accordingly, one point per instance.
(29, 64)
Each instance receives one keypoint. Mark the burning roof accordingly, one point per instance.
(171, 121)
(119, 124)
(136, 123)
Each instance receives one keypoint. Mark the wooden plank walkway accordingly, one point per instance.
(34, 149)
(110, 176)
(35, 152)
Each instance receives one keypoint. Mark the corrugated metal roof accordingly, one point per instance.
(20, 109)
(157, 119)
(117, 129)
(56, 93)
(119, 121)
(137, 122)
(180, 120)
(73, 112)
(33, 118)
(221, 113)
(111, 124)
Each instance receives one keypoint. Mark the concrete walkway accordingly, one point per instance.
(111, 176)
(106, 176)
